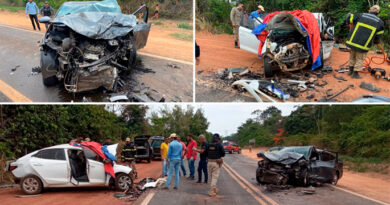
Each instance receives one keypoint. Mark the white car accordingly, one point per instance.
(66, 165)
(285, 44)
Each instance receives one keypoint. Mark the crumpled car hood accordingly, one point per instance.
(99, 25)
(285, 158)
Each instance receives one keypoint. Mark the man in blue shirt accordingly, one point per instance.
(32, 10)
(174, 158)
(258, 13)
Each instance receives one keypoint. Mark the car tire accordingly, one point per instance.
(267, 66)
(122, 181)
(48, 68)
(31, 185)
(335, 179)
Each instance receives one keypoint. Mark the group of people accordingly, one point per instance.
(365, 30)
(174, 151)
(32, 12)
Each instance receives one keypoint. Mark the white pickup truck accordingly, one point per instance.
(285, 46)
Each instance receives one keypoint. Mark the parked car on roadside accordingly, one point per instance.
(231, 147)
(286, 46)
(301, 165)
(144, 148)
(156, 143)
(67, 166)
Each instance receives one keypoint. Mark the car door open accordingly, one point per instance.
(95, 168)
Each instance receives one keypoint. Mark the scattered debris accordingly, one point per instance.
(171, 65)
(377, 72)
(344, 48)
(199, 72)
(338, 93)
(119, 98)
(136, 189)
(145, 70)
(321, 84)
(8, 186)
(312, 96)
(341, 78)
(372, 99)
(327, 69)
(252, 86)
(274, 187)
(342, 70)
(24, 196)
(16, 67)
(309, 191)
(370, 87)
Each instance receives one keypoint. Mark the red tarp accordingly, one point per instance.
(308, 21)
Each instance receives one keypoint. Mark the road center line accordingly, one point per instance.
(253, 194)
(12, 94)
(251, 186)
(359, 195)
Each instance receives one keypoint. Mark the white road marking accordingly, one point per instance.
(148, 198)
(359, 195)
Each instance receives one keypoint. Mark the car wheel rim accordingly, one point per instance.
(123, 181)
(31, 185)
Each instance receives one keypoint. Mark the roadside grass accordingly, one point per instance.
(184, 25)
(159, 22)
(11, 8)
(359, 164)
(182, 36)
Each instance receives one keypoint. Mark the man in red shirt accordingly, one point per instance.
(183, 169)
(191, 155)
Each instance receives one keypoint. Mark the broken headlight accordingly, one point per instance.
(113, 42)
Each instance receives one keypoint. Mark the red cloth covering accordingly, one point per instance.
(308, 21)
(97, 148)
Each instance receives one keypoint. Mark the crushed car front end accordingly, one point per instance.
(90, 45)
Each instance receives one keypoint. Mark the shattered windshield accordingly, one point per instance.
(74, 7)
(305, 150)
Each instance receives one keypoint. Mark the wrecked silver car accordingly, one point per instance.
(90, 44)
(302, 165)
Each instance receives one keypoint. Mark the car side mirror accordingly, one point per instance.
(313, 159)
(44, 19)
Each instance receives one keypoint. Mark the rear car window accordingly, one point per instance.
(326, 156)
(54, 154)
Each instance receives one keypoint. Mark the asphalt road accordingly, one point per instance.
(237, 185)
(19, 50)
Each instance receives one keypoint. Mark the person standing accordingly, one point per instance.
(174, 157)
(32, 10)
(215, 152)
(258, 13)
(191, 155)
(47, 10)
(156, 12)
(128, 155)
(107, 141)
(235, 17)
(202, 166)
(366, 29)
(183, 169)
(164, 153)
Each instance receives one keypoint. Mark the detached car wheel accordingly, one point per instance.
(122, 182)
(49, 68)
(31, 185)
(267, 66)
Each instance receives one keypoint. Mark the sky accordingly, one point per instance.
(225, 118)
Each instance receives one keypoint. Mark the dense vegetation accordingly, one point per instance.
(27, 128)
(172, 9)
(359, 131)
(213, 15)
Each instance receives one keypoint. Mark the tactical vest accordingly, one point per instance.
(366, 27)
(46, 11)
(128, 152)
(213, 151)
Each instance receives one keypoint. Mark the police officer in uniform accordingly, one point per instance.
(235, 17)
(128, 155)
(215, 152)
(47, 10)
(367, 28)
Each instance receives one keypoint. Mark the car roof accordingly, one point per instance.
(63, 146)
(79, 2)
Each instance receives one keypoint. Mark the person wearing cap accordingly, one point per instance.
(47, 10)
(215, 152)
(174, 158)
(128, 155)
(258, 13)
(32, 10)
(183, 168)
(366, 29)
(164, 153)
(236, 15)
(87, 139)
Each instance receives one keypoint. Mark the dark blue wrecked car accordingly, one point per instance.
(301, 165)
(90, 44)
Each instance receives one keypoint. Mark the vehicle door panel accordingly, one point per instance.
(96, 173)
(248, 41)
(53, 172)
(324, 168)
